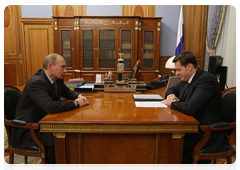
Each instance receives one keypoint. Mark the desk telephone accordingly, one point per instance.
(164, 79)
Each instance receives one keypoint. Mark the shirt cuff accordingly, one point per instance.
(170, 95)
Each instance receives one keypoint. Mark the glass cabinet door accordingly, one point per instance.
(148, 49)
(87, 48)
(107, 48)
(126, 47)
(66, 46)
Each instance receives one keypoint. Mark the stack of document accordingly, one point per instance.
(148, 100)
(88, 87)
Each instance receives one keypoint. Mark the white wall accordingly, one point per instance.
(226, 46)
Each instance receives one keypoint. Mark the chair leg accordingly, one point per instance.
(214, 164)
(194, 165)
(43, 164)
(26, 161)
(229, 160)
(11, 158)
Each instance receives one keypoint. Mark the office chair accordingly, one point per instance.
(201, 151)
(134, 71)
(11, 98)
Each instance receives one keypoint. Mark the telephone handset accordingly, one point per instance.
(161, 78)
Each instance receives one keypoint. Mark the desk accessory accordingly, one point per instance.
(120, 85)
(75, 82)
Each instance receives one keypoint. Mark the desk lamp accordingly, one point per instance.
(170, 65)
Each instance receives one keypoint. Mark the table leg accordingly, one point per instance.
(177, 148)
(60, 148)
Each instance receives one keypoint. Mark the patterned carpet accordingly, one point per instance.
(35, 163)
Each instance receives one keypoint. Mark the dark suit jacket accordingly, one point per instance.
(37, 100)
(202, 100)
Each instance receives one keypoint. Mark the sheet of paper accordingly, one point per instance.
(150, 104)
(98, 78)
(147, 96)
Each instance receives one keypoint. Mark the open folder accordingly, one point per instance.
(147, 97)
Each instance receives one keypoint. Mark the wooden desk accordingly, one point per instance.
(111, 130)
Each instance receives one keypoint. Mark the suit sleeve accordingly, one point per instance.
(40, 93)
(173, 90)
(202, 92)
(69, 94)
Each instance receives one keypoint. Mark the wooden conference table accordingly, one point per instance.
(111, 130)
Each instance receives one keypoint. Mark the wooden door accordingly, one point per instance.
(88, 52)
(38, 44)
(149, 44)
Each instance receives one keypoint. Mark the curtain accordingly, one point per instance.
(227, 45)
(214, 24)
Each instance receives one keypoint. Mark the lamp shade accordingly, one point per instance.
(169, 64)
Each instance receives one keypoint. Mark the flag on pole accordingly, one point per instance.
(180, 42)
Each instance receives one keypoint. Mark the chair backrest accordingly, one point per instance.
(11, 98)
(135, 69)
(229, 106)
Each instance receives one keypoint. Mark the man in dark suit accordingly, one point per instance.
(198, 95)
(41, 96)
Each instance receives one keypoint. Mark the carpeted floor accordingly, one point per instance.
(35, 163)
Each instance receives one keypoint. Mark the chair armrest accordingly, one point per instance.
(19, 122)
(218, 126)
(215, 127)
(25, 125)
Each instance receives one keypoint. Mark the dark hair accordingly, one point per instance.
(186, 57)
(51, 58)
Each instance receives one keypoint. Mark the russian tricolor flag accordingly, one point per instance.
(180, 42)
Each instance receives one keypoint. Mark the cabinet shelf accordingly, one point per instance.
(87, 48)
(126, 46)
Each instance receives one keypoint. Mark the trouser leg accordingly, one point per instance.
(190, 140)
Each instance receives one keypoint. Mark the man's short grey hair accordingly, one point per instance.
(51, 58)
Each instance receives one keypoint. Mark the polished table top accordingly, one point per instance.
(119, 108)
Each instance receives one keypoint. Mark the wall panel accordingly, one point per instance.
(69, 10)
(139, 10)
(13, 68)
(195, 19)
(10, 74)
(38, 42)
(11, 43)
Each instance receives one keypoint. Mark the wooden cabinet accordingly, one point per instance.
(149, 45)
(65, 43)
(90, 45)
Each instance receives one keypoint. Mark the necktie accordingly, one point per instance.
(55, 87)
(185, 89)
